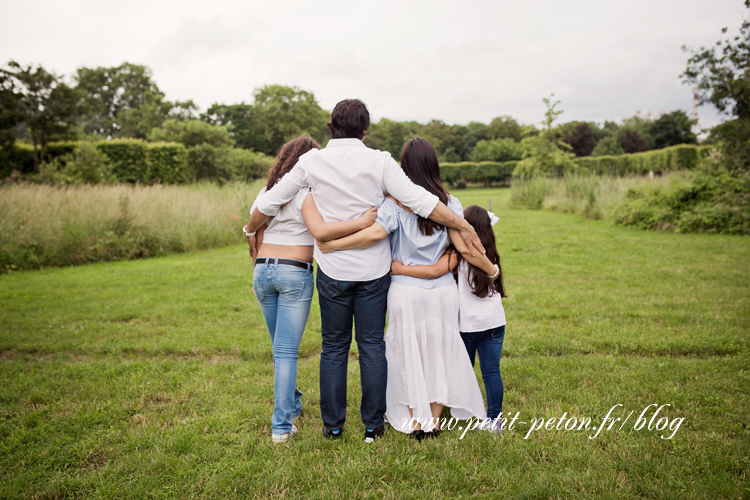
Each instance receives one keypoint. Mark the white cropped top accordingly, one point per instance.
(287, 227)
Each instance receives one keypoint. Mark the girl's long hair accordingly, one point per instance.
(287, 157)
(420, 164)
(480, 283)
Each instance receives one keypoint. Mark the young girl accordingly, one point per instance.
(481, 315)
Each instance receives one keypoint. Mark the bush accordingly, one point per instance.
(21, 156)
(167, 163)
(485, 172)
(683, 157)
(247, 165)
(530, 193)
(128, 158)
(711, 201)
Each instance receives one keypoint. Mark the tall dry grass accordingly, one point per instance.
(591, 196)
(58, 226)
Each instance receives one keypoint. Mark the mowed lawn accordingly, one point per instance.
(154, 378)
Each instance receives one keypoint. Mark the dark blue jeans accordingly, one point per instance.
(365, 302)
(489, 345)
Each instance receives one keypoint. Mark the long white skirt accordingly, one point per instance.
(427, 360)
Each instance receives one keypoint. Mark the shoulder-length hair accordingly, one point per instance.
(287, 157)
(419, 162)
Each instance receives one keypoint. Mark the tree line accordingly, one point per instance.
(39, 107)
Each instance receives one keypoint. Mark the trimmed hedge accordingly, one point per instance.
(484, 171)
(128, 159)
(21, 156)
(167, 163)
(682, 157)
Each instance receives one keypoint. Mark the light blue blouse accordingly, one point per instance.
(411, 247)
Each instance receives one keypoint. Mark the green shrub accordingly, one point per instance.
(128, 158)
(21, 156)
(485, 172)
(247, 165)
(530, 193)
(682, 157)
(711, 201)
(206, 162)
(167, 163)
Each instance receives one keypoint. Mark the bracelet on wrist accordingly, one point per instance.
(497, 272)
(247, 235)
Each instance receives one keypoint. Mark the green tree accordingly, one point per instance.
(124, 101)
(444, 138)
(48, 106)
(544, 154)
(497, 150)
(721, 76)
(504, 126)
(473, 133)
(11, 114)
(389, 135)
(671, 129)
(242, 122)
(283, 113)
(191, 133)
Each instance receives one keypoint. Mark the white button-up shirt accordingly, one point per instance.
(348, 178)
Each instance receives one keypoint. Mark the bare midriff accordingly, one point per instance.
(301, 252)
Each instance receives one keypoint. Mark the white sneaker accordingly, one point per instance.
(283, 438)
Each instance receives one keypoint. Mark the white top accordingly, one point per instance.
(475, 314)
(287, 227)
(347, 179)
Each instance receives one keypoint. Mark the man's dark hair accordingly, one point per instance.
(349, 120)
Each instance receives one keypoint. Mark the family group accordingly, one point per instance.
(386, 238)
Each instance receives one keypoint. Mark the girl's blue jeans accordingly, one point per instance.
(285, 295)
(489, 345)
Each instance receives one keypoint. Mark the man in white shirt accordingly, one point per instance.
(347, 178)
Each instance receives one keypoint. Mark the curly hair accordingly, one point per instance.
(287, 158)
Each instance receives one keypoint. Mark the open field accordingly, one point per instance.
(153, 378)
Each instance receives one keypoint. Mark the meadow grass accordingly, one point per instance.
(591, 196)
(45, 226)
(154, 378)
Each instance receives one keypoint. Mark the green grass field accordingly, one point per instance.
(154, 378)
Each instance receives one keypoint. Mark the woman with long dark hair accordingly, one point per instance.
(283, 280)
(428, 367)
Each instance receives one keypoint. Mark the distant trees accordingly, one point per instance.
(41, 101)
(721, 75)
(581, 139)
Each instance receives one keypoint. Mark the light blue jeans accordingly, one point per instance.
(285, 294)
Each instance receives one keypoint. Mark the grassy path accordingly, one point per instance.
(153, 379)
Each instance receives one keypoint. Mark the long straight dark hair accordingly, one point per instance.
(287, 157)
(420, 164)
(481, 284)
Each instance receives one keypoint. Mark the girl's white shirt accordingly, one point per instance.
(287, 227)
(475, 314)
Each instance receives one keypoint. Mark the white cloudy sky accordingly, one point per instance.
(408, 60)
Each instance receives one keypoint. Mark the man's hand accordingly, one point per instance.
(471, 239)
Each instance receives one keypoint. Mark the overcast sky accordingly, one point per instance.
(420, 60)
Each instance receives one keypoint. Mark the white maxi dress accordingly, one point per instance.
(427, 359)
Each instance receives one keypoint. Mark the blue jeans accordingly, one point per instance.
(489, 345)
(285, 295)
(366, 302)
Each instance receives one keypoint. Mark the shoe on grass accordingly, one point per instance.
(371, 436)
(283, 438)
(329, 434)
